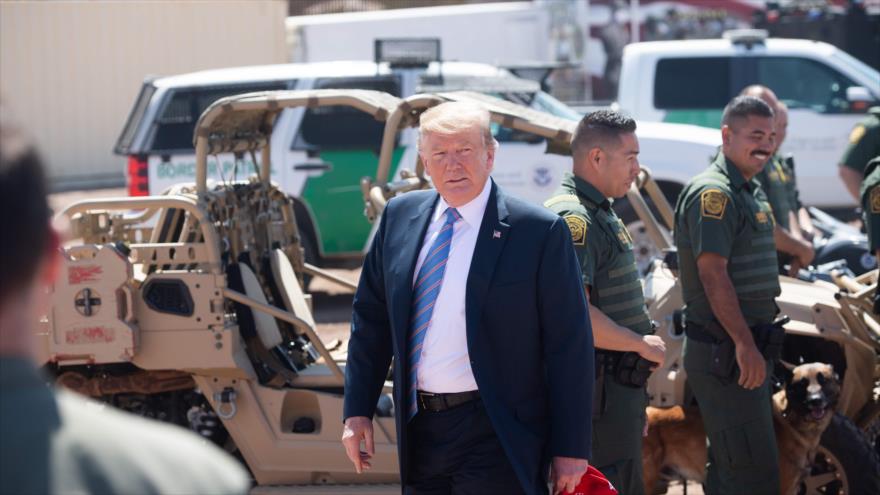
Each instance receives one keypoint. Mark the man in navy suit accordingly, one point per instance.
(477, 296)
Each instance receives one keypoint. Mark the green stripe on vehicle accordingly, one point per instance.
(702, 118)
(336, 201)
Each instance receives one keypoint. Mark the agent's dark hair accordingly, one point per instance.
(601, 128)
(742, 107)
(24, 211)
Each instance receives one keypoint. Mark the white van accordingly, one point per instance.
(319, 155)
(827, 92)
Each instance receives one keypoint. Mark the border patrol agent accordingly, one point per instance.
(864, 144)
(54, 441)
(724, 233)
(777, 182)
(605, 151)
(870, 200)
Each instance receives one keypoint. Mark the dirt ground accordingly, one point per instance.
(332, 304)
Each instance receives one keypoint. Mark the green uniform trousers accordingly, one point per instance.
(617, 437)
(739, 423)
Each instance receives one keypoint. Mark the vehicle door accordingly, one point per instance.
(331, 149)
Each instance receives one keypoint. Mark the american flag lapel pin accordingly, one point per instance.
(496, 234)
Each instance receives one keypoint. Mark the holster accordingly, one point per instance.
(627, 368)
(770, 338)
(632, 370)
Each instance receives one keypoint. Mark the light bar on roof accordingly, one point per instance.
(407, 52)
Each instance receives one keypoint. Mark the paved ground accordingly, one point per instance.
(331, 303)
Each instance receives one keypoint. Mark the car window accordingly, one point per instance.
(174, 127)
(123, 144)
(867, 72)
(805, 83)
(551, 105)
(692, 83)
(342, 127)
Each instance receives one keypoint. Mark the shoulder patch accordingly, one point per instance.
(578, 227)
(875, 199)
(713, 203)
(562, 198)
(857, 133)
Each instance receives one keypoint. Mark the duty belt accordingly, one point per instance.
(768, 336)
(432, 402)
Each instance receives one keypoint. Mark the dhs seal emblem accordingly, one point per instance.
(542, 177)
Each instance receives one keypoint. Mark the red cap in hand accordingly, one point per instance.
(593, 482)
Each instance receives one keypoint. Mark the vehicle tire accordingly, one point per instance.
(845, 462)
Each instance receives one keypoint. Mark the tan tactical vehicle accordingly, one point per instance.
(188, 307)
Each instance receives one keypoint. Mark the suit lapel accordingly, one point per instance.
(410, 243)
(490, 243)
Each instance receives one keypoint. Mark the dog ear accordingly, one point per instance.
(783, 372)
(834, 373)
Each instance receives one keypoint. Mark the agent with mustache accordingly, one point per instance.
(605, 151)
(778, 183)
(724, 233)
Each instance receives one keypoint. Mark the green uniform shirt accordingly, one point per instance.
(793, 193)
(56, 441)
(605, 250)
(864, 142)
(720, 212)
(777, 182)
(870, 193)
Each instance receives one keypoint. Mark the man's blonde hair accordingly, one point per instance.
(457, 116)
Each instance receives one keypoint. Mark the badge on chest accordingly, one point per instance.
(621, 233)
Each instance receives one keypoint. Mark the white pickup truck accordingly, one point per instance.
(690, 82)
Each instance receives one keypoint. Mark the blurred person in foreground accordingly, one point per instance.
(52, 440)
(724, 234)
(778, 183)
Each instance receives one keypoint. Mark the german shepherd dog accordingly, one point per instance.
(676, 437)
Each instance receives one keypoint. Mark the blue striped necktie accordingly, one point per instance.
(425, 291)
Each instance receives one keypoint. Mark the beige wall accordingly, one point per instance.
(69, 71)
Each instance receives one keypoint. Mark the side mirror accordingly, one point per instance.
(858, 94)
(859, 98)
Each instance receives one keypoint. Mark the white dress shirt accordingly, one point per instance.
(444, 366)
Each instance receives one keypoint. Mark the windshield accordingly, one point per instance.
(551, 105)
(542, 101)
(862, 69)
